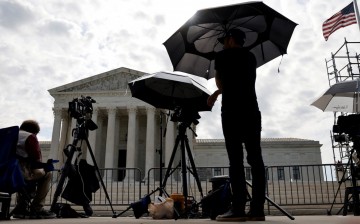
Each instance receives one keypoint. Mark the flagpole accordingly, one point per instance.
(357, 15)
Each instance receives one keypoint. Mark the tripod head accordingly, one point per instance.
(185, 115)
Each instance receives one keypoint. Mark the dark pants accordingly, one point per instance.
(244, 129)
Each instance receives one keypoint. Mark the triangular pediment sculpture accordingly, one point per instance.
(114, 80)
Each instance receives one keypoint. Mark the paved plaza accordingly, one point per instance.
(349, 219)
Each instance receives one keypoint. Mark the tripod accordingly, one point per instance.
(184, 145)
(80, 133)
(354, 189)
(144, 201)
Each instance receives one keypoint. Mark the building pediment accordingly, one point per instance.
(114, 80)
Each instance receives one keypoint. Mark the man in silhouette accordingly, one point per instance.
(241, 123)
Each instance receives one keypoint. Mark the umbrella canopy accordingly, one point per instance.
(340, 97)
(168, 90)
(193, 46)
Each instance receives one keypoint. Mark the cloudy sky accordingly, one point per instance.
(46, 44)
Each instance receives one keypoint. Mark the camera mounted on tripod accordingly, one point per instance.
(349, 125)
(79, 192)
(348, 129)
(81, 109)
(185, 115)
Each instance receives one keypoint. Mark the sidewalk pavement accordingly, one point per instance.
(349, 219)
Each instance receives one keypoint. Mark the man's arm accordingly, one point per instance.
(218, 81)
(32, 147)
(213, 97)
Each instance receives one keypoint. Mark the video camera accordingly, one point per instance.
(349, 124)
(348, 129)
(81, 109)
(185, 115)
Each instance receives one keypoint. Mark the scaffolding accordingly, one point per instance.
(343, 65)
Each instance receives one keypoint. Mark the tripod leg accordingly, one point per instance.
(275, 205)
(64, 174)
(338, 190)
(278, 207)
(99, 175)
(162, 191)
(329, 212)
(168, 170)
(194, 171)
(148, 195)
(127, 209)
(183, 169)
(355, 193)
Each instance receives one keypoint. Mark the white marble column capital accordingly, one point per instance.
(150, 109)
(131, 109)
(57, 111)
(112, 110)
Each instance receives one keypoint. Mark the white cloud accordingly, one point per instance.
(48, 44)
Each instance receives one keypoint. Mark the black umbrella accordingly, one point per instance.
(193, 46)
(169, 90)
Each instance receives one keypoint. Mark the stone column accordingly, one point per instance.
(92, 138)
(55, 138)
(150, 140)
(191, 136)
(169, 142)
(131, 141)
(110, 142)
(63, 137)
(100, 145)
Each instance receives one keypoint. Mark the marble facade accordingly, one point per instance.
(129, 130)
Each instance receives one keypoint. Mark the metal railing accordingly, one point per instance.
(286, 185)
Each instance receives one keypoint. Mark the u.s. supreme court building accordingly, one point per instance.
(129, 130)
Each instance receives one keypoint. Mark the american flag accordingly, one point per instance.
(341, 19)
